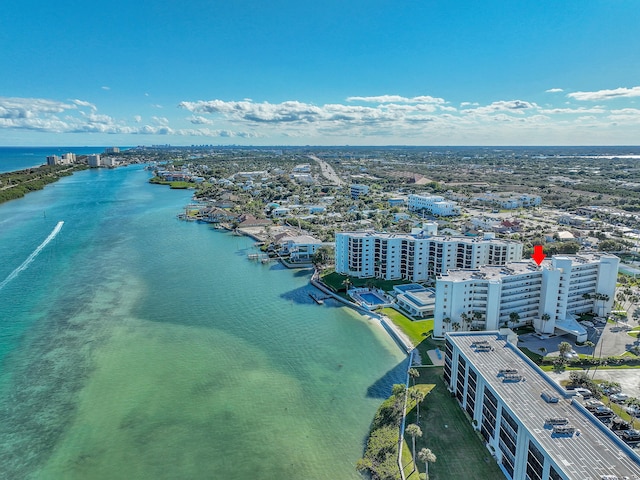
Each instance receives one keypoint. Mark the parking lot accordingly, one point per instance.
(610, 340)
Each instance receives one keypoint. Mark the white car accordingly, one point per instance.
(584, 392)
(587, 323)
(619, 397)
(633, 410)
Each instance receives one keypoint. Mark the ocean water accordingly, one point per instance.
(18, 158)
(134, 345)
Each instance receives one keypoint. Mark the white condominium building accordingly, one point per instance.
(434, 204)
(533, 428)
(548, 297)
(358, 190)
(417, 257)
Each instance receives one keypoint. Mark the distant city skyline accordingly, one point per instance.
(323, 73)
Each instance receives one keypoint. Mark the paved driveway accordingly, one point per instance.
(628, 379)
(610, 340)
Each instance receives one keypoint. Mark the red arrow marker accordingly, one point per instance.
(538, 255)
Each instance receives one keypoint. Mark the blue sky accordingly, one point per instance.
(426, 72)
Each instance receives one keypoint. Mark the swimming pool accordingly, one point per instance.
(372, 298)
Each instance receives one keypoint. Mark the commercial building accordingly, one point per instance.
(357, 190)
(531, 438)
(418, 256)
(548, 297)
(433, 204)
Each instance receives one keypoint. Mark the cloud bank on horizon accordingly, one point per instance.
(381, 119)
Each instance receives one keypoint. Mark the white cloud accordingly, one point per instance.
(358, 120)
(105, 88)
(160, 120)
(513, 106)
(396, 99)
(621, 92)
(200, 120)
(554, 90)
(572, 111)
(12, 107)
(82, 103)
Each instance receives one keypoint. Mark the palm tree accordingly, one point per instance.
(347, 283)
(590, 344)
(427, 456)
(418, 396)
(465, 318)
(447, 321)
(413, 431)
(399, 390)
(456, 326)
(477, 315)
(414, 373)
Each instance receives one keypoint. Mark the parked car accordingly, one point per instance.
(587, 323)
(603, 412)
(584, 392)
(633, 410)
(619, 397)
(610, 390)
(591, 405)
(618, 423)
(631, 435)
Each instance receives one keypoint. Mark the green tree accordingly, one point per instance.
(414, 373)
(447, 322)
(323, 256)
(413, 431)
(592, 345)
(564, 348)
(427, 456)
(418, 396)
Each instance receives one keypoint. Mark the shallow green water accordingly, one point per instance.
(138, 346)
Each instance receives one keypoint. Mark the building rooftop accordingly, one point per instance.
(441, 238)
(495, 272)
(591, 454)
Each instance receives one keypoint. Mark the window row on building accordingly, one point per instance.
(434, 204)
(547, 297)
(417, 257)
(500, 390)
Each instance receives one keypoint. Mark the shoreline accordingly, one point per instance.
(400, 339)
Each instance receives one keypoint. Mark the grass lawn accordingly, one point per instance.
(419, 332)
(335, 281)
(448, 433)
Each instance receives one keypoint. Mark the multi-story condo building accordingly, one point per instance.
(417, 257)
(357, 190)
(548, 297)
(533, 428)
(433, 204)
(94, 160)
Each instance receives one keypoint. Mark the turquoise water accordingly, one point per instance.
(134, 345)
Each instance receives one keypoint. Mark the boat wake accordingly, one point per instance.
(33, 255)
